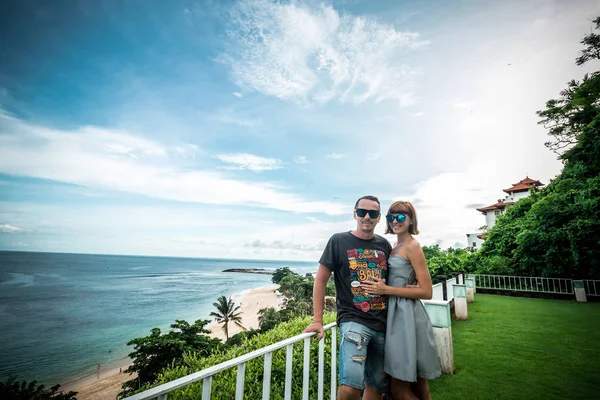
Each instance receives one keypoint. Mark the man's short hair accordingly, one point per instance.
(372, 198)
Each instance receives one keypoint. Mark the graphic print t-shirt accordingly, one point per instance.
(352, 261)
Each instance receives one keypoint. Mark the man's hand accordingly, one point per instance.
(316, 326)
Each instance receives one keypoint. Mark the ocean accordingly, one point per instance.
(63, 314)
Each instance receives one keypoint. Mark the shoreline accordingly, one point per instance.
(105, 371)
(106, 384)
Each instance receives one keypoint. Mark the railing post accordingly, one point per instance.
(579, 290)
(463, 275)
(268, 361)
(455, 275)
(460, 302)
(333, 363)
(442, 279)
(439, 314)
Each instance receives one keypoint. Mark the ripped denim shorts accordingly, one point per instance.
(361, 357)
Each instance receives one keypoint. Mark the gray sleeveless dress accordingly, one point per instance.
(410, 350)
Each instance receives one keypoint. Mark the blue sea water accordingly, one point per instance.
(63, 314)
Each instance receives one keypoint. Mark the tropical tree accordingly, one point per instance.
(567, 116)
(268, 318)
(281, 273)
(227, 312)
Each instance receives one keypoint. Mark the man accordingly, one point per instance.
(356, 256)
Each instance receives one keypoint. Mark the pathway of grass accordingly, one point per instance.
(520, 348)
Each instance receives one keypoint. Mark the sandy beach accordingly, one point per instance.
(106, 384)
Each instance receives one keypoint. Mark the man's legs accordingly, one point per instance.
(360, 361)
(376, 380)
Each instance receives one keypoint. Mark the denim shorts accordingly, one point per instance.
(361, 357)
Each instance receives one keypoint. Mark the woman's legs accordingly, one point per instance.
(421, 389)
(401, 390)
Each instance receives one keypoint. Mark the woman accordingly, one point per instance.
(410, 351)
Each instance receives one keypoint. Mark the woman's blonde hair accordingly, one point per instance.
(404, 207)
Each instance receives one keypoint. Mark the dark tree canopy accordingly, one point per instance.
(12, 389)
(157, 351)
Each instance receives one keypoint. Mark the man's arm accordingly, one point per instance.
(323, 274)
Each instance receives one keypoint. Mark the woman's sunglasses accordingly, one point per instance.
(400, 218)
(361, 212)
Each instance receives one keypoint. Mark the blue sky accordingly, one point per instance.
(247, 129)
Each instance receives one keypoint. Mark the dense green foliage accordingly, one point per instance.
(298, 291)
(556, 232)
(223, 384)
(445, 262)
(519, 348)
(157, 351)
(13, 389)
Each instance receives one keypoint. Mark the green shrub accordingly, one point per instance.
(223, 384)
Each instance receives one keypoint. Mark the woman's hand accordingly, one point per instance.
(375, 286)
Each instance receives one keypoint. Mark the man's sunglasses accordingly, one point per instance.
(400, 218)
(361, 212)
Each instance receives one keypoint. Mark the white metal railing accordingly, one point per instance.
(592, 287)
(206, 375)
(525, 283)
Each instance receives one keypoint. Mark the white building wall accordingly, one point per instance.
(515, 196)
(490, 219)
(520, 195)
(473, 241)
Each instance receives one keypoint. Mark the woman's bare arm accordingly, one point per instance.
(424, 290)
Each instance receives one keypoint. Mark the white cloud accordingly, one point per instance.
(228, 116)
(238, 94)
(301, 53)
(313, 219)
(336, 156)
(187, 229)
(87, 157)
(446, 203)
(418, 114)
(463, 104)
(250, 162)
(6, 228)
(301, 160)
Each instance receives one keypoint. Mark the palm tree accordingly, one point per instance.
(226, 313)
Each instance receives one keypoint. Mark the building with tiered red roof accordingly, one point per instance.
(514, 193)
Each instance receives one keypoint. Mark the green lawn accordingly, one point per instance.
(520, 348)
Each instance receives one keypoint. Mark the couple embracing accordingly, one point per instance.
(387, 339)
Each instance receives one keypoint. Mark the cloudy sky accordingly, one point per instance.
(247, 129)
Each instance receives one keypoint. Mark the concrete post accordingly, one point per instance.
(439, 314)
(472, 276)
(579, 289)
(460, 302)
(470, 284)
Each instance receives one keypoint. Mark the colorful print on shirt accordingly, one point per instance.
(366, 264)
